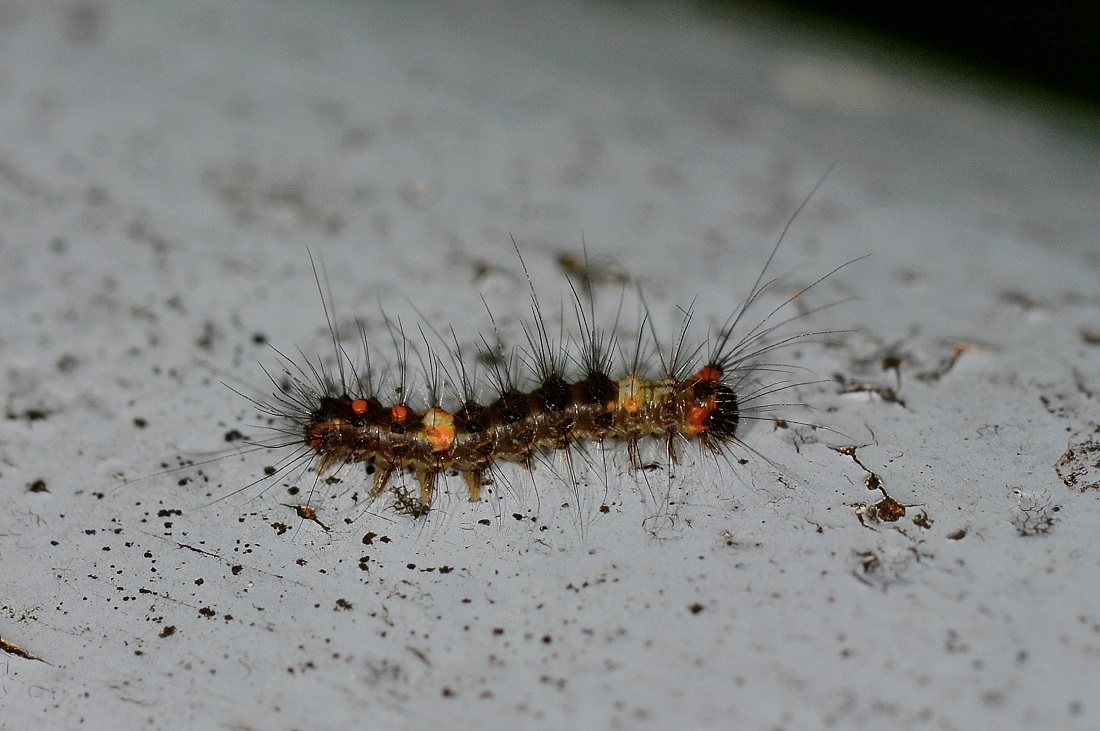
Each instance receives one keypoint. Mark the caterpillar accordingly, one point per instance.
(553, 395)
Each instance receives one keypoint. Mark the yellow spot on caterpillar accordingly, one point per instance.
(630, 394)
(439, 428)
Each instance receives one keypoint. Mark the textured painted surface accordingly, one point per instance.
(163, 170)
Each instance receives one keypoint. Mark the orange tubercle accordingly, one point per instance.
(360, 406)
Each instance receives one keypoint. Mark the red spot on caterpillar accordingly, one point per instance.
(360, 406)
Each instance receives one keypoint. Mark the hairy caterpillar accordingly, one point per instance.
(552, 395)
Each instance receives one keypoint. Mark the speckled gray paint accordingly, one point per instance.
(164, 168)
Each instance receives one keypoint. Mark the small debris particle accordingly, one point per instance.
(210, 335)
(1079, 465)
(922, 520)
(29, 415)
(958, 348)
(168, 631)
(305, 512)
(14, 649)
(889, 509)
(67, 363)
(886, 393)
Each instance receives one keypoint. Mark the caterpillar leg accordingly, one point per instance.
(381, 479)
(426, 478)
(473, 484)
